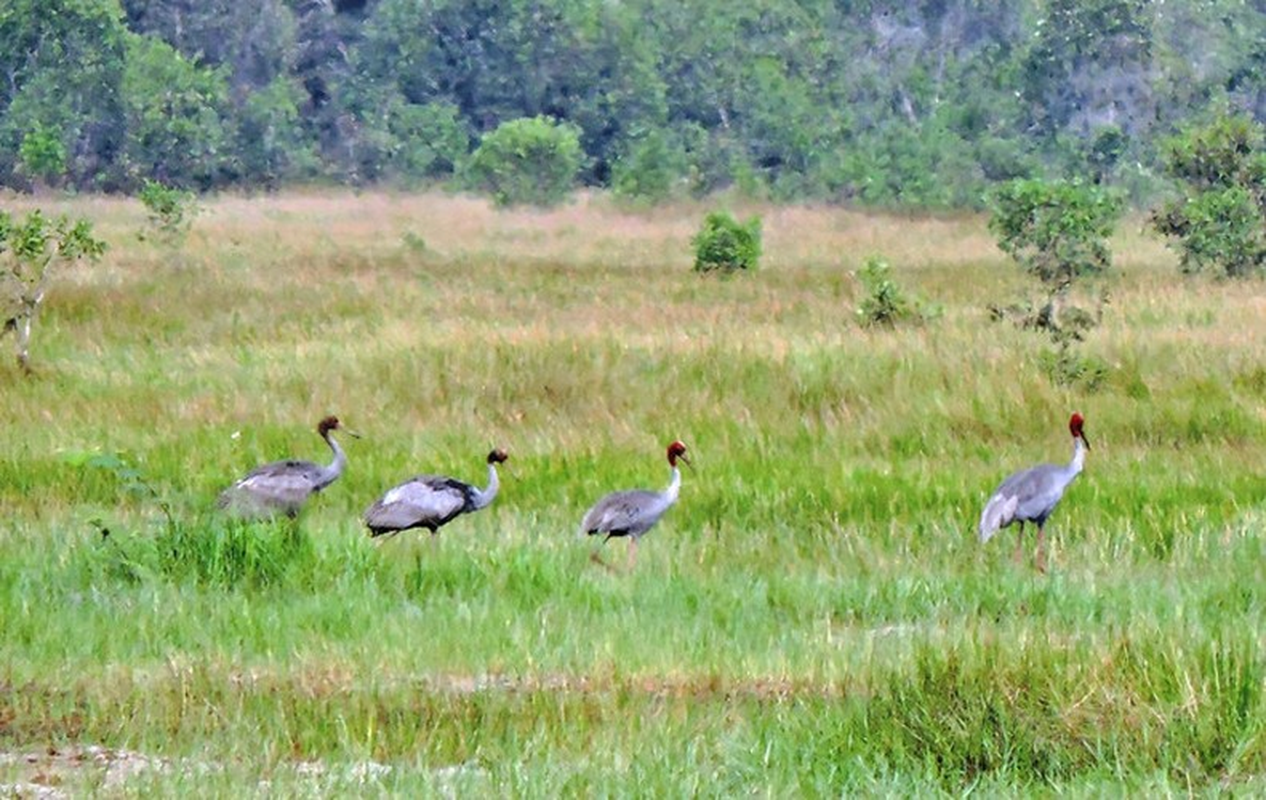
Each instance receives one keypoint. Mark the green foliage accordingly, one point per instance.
(1056, 230)
(62, 64)
(1064, 365)
(34, 243)
(1077, 45)
(723, 243)
(528, 161)
(923, 106)
(28, 250)
(1219, 222)
(43, 155)
(885, 303)
(170, 211)
(650, 170)
(430, 140)
(174, 111)
(271, 143)
(1105, 150)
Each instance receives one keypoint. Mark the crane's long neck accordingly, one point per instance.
(485, 496)
(336, 466)
(674, 486)
(1079, 457)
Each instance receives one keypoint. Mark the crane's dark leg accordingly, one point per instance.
(1039, 560)
(1019, 545)
(596, 555)
(632, 551)
(294, 538)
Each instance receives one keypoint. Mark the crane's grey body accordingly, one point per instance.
(1032, 495)
(430, 501)
(1028, 496)
(282, 487)
(630, 513)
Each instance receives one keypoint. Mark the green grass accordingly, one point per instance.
(815, 617)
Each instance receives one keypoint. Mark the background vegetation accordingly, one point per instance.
(814, 617)
(925, 105)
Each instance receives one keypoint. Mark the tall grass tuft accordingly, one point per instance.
(210, 551)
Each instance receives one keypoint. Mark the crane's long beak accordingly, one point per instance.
(349, 432)
(686, 461)
(1084, 440)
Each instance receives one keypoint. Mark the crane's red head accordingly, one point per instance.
(331, 423)
(1075, 424)
(677, 450)
(497, 456)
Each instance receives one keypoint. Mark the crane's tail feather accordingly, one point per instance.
(999, 513)
(986, 532)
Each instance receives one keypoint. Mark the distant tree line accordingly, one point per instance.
(920, 104)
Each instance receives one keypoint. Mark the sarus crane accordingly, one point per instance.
(634, 512)
(431, 501)
(282, 487)
(1032, 494)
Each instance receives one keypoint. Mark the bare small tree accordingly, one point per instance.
(28, 250)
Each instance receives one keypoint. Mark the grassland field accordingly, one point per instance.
(815, 617)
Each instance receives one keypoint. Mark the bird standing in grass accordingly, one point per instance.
(431, 501)
(1031, 495)
(634, 512)
(282, 487)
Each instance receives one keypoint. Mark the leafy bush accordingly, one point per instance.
(649, 170)
(171, 211)
(429, 141)
(271, 146)
(28, 250)
(1064, 366)
(1220, 221)
(1056, 230)
(723, 243)
(43, 155)
(175, 113)
(885, 304)
(527, 161)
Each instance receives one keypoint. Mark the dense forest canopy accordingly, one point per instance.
(914, 104)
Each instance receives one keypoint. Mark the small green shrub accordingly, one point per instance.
(171, 211)
(28, 250)
(1219, 222)
(414, 242)
(1056, 231)
(724, 243)
(43, 154)
(1064, 366)
(649, 170)
(528, 161)
(885, 303)
(429, 141)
